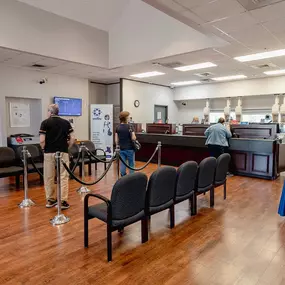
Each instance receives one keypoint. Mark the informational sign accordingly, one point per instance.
(19, 115)
(102, 127)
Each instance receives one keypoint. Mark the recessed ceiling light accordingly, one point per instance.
(147, 74)
(261, 55)
(196, 66)
(181, 83)
(232, 77)
(275, 72)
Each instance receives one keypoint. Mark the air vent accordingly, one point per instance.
(206, 80)
(264, 66)
(39, 66)
(205, 74)
(256, 4)
(169, 64)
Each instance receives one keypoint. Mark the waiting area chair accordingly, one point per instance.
(8, 165)
(205, 181)
(160, 192)
(222, 168)
(186, 183)
(126, 206)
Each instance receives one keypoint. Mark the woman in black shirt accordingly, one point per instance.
(124, 137)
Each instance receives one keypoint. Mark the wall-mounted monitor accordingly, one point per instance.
(69, 106)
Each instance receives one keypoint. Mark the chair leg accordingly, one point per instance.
(86, 232)
(193, 202)
(109, 242)
(80, 170)
(144, 229)
(96, 166)
(17, 181)
(90, 169)
(105, 166)
(172, 217)
(41, 180)
(225, 190)
(212, 197)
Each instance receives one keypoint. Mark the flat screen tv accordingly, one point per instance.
(69, 106)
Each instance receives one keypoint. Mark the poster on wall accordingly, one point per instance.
(19, 115)
(102, 127)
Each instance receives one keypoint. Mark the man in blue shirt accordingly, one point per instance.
(217, 138)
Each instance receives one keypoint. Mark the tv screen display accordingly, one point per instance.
(69, 106)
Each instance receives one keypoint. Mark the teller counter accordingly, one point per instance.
(250, 157)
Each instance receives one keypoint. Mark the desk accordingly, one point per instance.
(250, 157)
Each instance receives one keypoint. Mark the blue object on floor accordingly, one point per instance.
(281, 210)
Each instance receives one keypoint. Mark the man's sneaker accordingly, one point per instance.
(64, 205)
(51, 203)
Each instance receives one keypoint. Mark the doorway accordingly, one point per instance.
(160, 114)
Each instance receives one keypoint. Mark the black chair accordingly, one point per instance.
(125, 207)
(8, 165)
(102, 156)
(161, 192)
(186, 182)
(221, 171)
(75, 156)
(205, 180)
(36, 156)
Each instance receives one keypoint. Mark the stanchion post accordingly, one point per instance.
(159, 155)
(83, 189)
(26, 202)
(60, 218)
(118, 160)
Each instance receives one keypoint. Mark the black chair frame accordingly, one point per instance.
(110, 228)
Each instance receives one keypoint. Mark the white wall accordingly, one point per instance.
(253, 87)
(22, 83)
(25, 28)
(113, 94)
(97, 93)
(148, 95)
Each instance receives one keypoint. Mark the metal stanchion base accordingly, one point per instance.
(59, 220)
(83, 189)
(26, 203)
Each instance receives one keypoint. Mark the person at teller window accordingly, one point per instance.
(56, 134)
(124, 138)
(217, 138)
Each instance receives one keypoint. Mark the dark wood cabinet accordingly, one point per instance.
(160, 128)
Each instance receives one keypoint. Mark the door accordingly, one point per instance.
(160, 114)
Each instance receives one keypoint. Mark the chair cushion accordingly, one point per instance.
(6, 171)
(204, 189)
(156, 209)
(183, 197)
(102, 157)
(39, 165)
(99, 211)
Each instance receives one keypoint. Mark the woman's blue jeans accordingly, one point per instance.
(129, 157)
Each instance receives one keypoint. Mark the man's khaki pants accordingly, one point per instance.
(49, 174)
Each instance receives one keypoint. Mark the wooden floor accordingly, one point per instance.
(240, 241)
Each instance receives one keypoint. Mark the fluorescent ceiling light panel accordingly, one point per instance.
(196, 66)
(182, 83)
(275, 72)
(261, 55)
(147, 74)
(232, 77)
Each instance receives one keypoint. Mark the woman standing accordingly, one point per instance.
(124, 138)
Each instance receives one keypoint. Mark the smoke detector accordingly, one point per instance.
(205, 74)
(169, 64)
(264, 66)
(251, 5)
(207, 80)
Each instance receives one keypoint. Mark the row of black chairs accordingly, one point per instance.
(134, 198)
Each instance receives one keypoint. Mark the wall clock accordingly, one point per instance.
(137, 103)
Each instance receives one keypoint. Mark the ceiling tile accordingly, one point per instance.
(172, 5)
(219, 9)
(275, 26)
(270, 12)
(193, 17)
(6, 54)
(234, 50)
(235, 22)
(192, 3)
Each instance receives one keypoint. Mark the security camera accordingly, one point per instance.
(184, 103)
(43, 81)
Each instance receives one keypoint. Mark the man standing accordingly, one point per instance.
(217, 138)
(56, 134)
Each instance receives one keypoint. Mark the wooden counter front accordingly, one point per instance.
(160, 128)
(250, 157)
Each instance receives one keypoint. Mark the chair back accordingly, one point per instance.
(90, 145)
(128, 196)
(74, 150)
(161, 189)
(186, 178)
(33, 150)
(206, 174)
(222, 168)
(7, 157)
